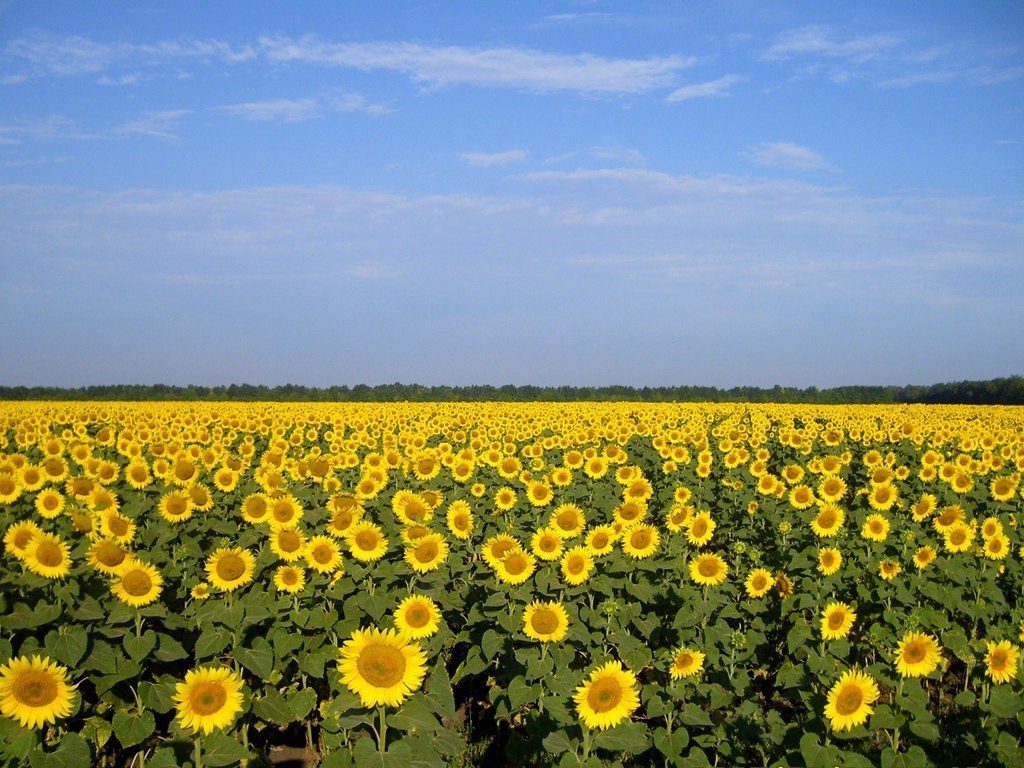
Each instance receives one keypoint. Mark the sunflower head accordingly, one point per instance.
(35, 691)
(382, 668)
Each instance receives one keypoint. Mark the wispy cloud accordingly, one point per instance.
(158, 125)
(493, 159)
(520, 68)
(711, 89)
(618, 155)
(785, 154)
(825, 41)
(307, 108)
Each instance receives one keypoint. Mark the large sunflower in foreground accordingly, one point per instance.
(850, 700)
(210, 698)
(230, 569)
(918, 654)
(34, 691)
(46, 555)
(381, 668)
(608, 697)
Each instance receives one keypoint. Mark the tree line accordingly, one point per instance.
(1001, 391)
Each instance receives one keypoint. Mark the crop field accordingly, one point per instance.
(525, 584)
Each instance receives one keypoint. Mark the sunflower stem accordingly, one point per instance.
(199, 751)
(586, 744)
(382, 734)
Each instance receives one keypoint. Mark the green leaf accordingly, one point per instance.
(258, 659)
(211, 642)
(139, 647)
(399, 755)
(273, 707)
(157, 696)
(72, 752)
(885, 718)
(312, 663)
(925, 729)
(815, 755)
(69, 648)
(163, 758)
(1004, 702)
(671, 745)
(132, 728)
(626, 737)
(519, 692)
(696, 759)
(415, 715)
(301, 703)
(439, 691)
(491, 644)
(557, 742)
(220, 749)
(965, 699)
(24, 617)
(16, 742)
(694, 715)
(169, 649)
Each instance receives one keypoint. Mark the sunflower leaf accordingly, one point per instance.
(132, 729)
(626, 737)
(221, 749)
(273, 708)
(72, 752)
(140, 647)
(258, 659)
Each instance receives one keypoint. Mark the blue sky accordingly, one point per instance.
(714, 193)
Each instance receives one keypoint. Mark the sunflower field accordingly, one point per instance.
(470, 584)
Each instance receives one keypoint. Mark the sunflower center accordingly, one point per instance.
(426, 552)
(117, 525)
(22, 537)
(230, 567)
(566, 521)
(461, 523)
(997, 662)
(49, 554)
(544, 621)
(699, 528)
(417, 616)
(759, 582)
(289, 541)
(34, 689)
(828, 559)
(575, 565)
(515, 564)
(995, 546)
(177, 505)
(51, 503)
(640, 539)
(914, 653)
(256, 509)
(283, 512)
(381, 665)
(600, 540)
(604, 695)
(684, 660)
(366, 540)
(835, 619)
(208, 698)
(826, 520)
(290, 577)
(549, 544)
(708, 568)
(136, 583)
(323, 554)
(110, 554)
(849, 700)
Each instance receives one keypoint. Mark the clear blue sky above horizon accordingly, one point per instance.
(586, 193)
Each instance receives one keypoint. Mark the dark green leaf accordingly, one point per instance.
(220, 749)
(131, 728)
(694, 715)
(273, 707)
(72, 752)
(258, 658)
(139, 647)
(627, 737)
(212, 641)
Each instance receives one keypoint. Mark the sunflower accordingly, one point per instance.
(850, 700)
(607, 697)
(496, 547)
(200, 591)
(577, 565)
(19, 536)
(600, 540)
(366, 542)
(997, 547)
(505, 499)
(1001, 661)
(411, 508)
(759, 583)
(924, 557)
(828, 521)
(700, 528)
(709, 570)
(137, 583)
(546, 622)
(630, 512)
(801, 497)
(882, 498)
(948, 517)
(567, 521)
(546, 544)
(229, 569)
(538, 494)
(107, 556)
(1002, 488)
(137, 474)
(596, 468)
(322, 554)
(208, 699)
(289, 578)
(49, 503)
(923, 508)
(10, 488)
(959, 537)
(686, 663)
(255, 508)
(829, 560)
(991, 527)
(837, 621)
(46, 555)
(918, 655)
(285, 511)
(831, 489)
(876, 528)
(516, 567)
(382, 668)
(417, 616)
(889, 569)
(175, 506)
(641, 542)
(288, 543)
(35, 691)
(427, 554)
(460, 519)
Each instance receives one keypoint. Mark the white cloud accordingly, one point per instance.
(158, 125)
(493, 159)
(821, 40)
(785, 154)
(307, 108)
(712, 89)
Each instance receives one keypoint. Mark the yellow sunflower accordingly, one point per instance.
(829, 560)
(289, 578)
(322, 554)
(600, 540)
(137, 583)
(759, 583)
(35, 691)
(516, 567)
(1001, 661)
(107, 556)
(686, 663)
(850, 699)
(460, 519)
(918, 655)
(366, 542)
(19, 536)
(959, 537)
(175, 506)
(997, 547)
(828, 521)
(538, 494)
(288, 543)
(700, 528)
(567, 521)
(208, 699)
(608, 697)
(427, 554)
(496, 547)
(876, 528)
(837, 621)
(46, 555)
(889, 569)
(418, 616)
(924, 557)
(255, 508)
(546, 544)
(577, 565)
(641, 542)
(49, 503)
(708, 570)
(382, 668)
(504, 499)
(546, 622)
(230, 568)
